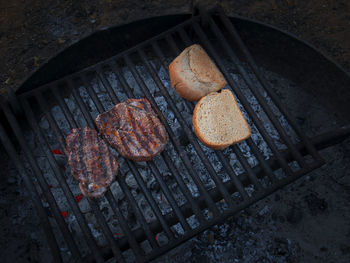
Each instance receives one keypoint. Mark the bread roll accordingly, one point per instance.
(193, 74)
(218, 122)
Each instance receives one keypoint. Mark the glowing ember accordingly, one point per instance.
(57, 151)
(78, 198)
(64, 214)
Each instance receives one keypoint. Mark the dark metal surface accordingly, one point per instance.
(198, 206)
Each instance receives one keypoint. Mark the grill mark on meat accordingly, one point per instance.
(110, 162)
(150, 114)
(139, 138)
(81, 152)
(128, 136)
(132, 141)
(125, 144)
(157, 132)
(100, 154)
(146, 106)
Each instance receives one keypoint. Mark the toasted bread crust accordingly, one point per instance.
(177, 82)
(200, 135)
(205, 81)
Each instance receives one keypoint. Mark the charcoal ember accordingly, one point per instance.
(180, 106)
(117, 191)
(264, 211)
(142, 165)
(153, 185)
(61, 159)
(84, 206)
(162, 239)
(162, 104)
(188, 117)
(44, 124)
(105, 210)
(131, 181)
(167, 176)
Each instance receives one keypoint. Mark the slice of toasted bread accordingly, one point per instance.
(194, 75)
(218, 122)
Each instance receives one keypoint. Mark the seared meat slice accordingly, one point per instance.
(91, 161)
(133, 129)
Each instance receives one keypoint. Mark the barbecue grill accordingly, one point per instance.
(221, 189)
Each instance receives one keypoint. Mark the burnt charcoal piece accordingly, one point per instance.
(133, 129)
(91, 161)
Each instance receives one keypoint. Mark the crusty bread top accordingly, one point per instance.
(218, 121)
(193, 74)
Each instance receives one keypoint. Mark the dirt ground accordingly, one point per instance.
(32, 31)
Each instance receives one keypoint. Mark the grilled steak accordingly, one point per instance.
(91, 161)
(133, 129)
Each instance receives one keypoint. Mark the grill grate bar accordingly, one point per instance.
(247, 167)
(254, 148)
(221, 157)
(42, 182)
(165, 156)
(71, 121)
(151, 165)
(251, 144)
(199, 150)
(121, 182)
(44, 220)
(138, 213)
(184, 37)
(234, 34)
(106, 230)
(135, 171)
(155, 170)
(228, 213)
(169, 196)
(93, 203)
(123, 224)
(178, 147)
(215, 29)
(44, 147)
(219, 154)
(249, 141)
(228, 167)
(215, 194)
(242, 99)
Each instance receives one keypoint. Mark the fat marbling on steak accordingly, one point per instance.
(133, 129)
(91, 161)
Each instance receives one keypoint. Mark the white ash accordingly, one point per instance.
(143, 168)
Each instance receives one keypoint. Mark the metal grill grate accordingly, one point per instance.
(210, 205)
